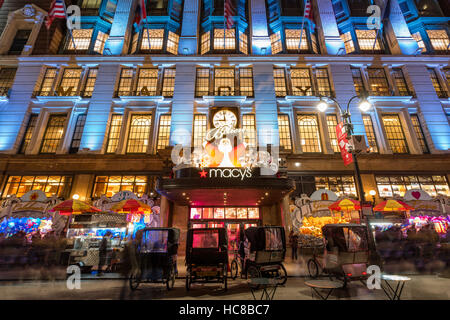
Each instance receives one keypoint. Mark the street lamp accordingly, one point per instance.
(364, 106)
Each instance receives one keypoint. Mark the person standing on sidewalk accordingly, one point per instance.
(293, 239)
(102, 252)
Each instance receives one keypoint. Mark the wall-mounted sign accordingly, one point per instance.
(240, 173)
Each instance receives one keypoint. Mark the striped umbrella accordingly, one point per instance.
(68, 207)
(392, 205)
(131, 206)
(345, 205)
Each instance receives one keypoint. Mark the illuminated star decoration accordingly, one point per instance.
(203, 173)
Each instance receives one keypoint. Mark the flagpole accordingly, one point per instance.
(303, 23)
(146, 25)
(224, 23)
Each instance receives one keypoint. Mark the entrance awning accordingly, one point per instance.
(224, 187)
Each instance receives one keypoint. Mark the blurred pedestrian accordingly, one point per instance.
(103, 251)
(293, 239)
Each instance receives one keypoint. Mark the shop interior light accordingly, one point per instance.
(297, 164)
(75, 197)
(364, 105)
(322, 106)
(183, 194)
(372, 192)
(267, 193)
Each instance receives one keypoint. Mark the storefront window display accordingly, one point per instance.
(50, 185)
(110, 185)
(389, 186)
(11, 226)
(341, 185)
(224, 213)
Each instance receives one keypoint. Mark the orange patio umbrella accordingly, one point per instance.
(392, 205)
(131, 206)
(73, 206)
(345, 205)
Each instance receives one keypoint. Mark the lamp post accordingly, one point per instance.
(364, 106)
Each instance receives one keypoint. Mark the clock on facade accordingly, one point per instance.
(225, 118)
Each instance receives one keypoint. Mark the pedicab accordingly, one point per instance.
(156, 257)
(346, 253)
(265, 250)
(206, 256)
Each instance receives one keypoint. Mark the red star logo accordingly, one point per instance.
(203, 174)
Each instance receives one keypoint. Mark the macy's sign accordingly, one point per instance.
(227, 173)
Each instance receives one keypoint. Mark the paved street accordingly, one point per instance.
(427, 287)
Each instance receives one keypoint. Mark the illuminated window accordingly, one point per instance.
(284, 129)
(340, 185)
(389, 186)
(110, 185)
(46, 88)
(246, 82)
(229, 38)
(370, 133)
(91, 4)
(90, 83)
(293, 40)
(168, 82)
(279, 78)
(202, 82)
(76, 139)
(439, 40)
(53, 133)
(308, 127)
(224, 81)
(417, 36)
(100, 42)
(419, 133)
(156, 37)
(69, 82)
(205, 45)
(6, 80)
(50, 185)
(275, 39)
(28, 133)
(134, 42)
(378, 85)
(243, 43)
(436, 84)
(301, 82)
(81, 38)
(400, 82)
(366, 39)
(358, 81)
(323, 82)
(139, 136)
(125, 82)
(348, 42)
(394, 133)
(164, 131)
(332, 122)
(249, 124)
(114, 133)
(200, 127)
(147, 84)
(172, 43)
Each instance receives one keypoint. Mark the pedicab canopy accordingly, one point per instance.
(345, 205)
(347, 237)
(206, 245)
(266, 238)
(73, 206)
(392, 205)
(160, 240)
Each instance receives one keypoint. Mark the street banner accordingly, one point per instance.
(343, 144)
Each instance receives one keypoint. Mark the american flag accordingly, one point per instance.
(308, 11)
(229, 13)
(57, 10)
(141, 13)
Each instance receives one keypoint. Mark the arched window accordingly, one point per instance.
(308, 128)
(139, 135)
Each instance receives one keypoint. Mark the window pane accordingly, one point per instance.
(114, 133)
(378, 85)
(394, 133)
(230, 39)
(309, 133)
(156, 37)
(275, 39)
(6, 80)
(224, 82)
(246, 82)
(29, 132)
(168, 82)
(202, 83)
(53, 133)
(419, 133)
(205, 45)
(280, 82)
(138, 138)
(416, 36)
(47, 83)
(348, 42)
(76, 139)
(200, 127)
(53, 185)
(301, 82)
(172, 42)
(100, 42)
(357, 81)
(332, 123)
(400, 82)
(370, 133)
(82, 39)
(69, 82)
(323, 82)
(293, 39)
(147, 82)
(249, 124)
(243, 43)
(439, 40)
(284, 131)
(366, 39)
(436, 84)
(164, 131)
(110, 185)
(90, 83)
(125, 82)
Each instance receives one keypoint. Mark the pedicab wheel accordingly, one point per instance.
(234, 269)
(135, 280)
(313, 268)
(282, 275)
(253, 272)
(170, 283)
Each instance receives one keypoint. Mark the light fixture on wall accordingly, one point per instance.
(76, 197)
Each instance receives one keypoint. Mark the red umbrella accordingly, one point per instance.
(345, 205)
(68, 207)
(392, 205)
(131, 206)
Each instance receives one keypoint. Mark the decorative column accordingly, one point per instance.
(189, 28)
(13, 113)
(99, 109)
(183, 105)
(431, 114)
(327, 21)
(265, 105)
(119, 36)
(259, 31)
